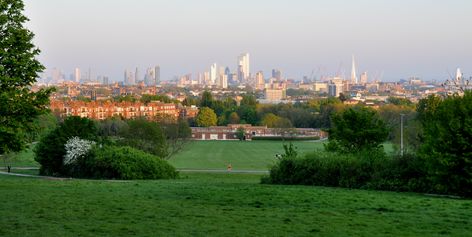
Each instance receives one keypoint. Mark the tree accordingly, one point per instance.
(206, 117)
(177, 136)
(241, 133)
(206, 100)
(233, 118)
(50, 150)
(147, 136)
(447, 136)
(273, 121)
(19, 106)
(357, 129)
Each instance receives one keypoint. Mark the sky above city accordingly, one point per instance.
(391, 40)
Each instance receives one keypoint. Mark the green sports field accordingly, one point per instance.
(242, 155)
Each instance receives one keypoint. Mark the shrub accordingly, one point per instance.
(112, 162)
(50, 151)
(367, 170)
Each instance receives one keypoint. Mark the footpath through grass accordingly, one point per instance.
(219, 205)
(242, 155)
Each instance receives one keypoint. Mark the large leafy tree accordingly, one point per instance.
(447, 136)
(206, 117)
(357, 129)
(19, 106)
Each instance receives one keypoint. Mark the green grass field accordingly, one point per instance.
(242, 155)
(219, 205)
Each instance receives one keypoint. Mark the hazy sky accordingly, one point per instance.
(402, 38)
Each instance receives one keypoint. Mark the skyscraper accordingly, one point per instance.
(243, 67)
(353, 72)
(136, 76)
(157, 74)
(363, 78)
(77, 75)
(213, 74)
(260, 83)
(458, 75)
(277, 74)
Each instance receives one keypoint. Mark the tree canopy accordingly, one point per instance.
(206, 117)
(447, 136)
(19, 68)
(356, 129)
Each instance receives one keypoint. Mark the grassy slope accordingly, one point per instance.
(219, 205)
(250, 155)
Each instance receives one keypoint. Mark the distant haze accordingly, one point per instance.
(400, 38)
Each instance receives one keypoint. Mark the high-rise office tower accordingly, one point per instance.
(277, 74)
(125, 78)
(353, 72)
(136, 76)
(243, 67)
(157, 75)
(364, 78)
(260, 83)
(213, 74)
(458, 75)
(77, 75)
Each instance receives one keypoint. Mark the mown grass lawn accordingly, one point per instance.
(219, 205)
(242, 155)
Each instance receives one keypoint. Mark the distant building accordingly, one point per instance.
(100, 110)
(353, 72)
(157, 75)
(259, 82)
(277, 74)
(274, 94)
(77, 75)
(213, 74)
(230, 132)
(335, 87)
(243, 68)
(364, 78)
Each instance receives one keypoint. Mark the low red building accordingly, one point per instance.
(230, 132)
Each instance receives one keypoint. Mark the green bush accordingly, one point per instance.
(366, 170)
(50, 150)
(112, 162)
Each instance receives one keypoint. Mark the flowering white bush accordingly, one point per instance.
(76, 147)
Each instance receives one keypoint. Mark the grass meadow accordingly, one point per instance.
(219, 204)
(242, 155)
(225, 204)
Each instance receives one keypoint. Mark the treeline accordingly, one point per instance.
(111, 149)
(439, 161)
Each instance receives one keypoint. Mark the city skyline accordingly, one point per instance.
(398, 39)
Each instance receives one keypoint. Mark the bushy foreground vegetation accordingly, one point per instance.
(442, 164)
(220, 205)
(366, 170)
(115, 149)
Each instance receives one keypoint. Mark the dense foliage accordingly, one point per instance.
(367, 170)
(357, 129)
(50, 151)
(112, 162)
(19, 106)
(442, 163)
(447, 137)
(145, 135)
(206, 117)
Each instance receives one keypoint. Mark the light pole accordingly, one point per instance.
(401, 134)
